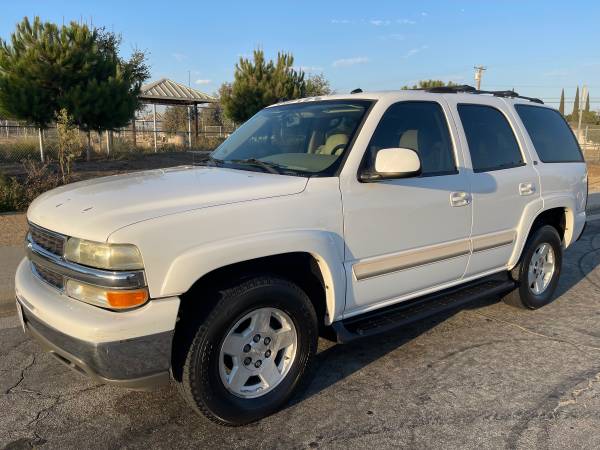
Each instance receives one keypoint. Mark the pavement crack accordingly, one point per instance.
(22, 376)
(576, 393)
(579, 347)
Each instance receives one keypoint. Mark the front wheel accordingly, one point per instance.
(538, 271)
(248, 357)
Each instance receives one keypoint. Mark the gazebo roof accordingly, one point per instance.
(169, 92)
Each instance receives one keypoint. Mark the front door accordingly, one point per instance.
(406, 236)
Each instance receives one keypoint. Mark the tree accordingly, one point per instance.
(317, 85)
(102, 89)
(28, 87)
(260, 83)
(46, 69)
(68, 144)
(175, 119)
(575, 113)
(428, 84)
(561, 107)
(587, 103)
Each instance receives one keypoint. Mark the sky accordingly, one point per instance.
(535, 47)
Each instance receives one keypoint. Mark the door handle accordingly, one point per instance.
(526, 188)
(460, 198)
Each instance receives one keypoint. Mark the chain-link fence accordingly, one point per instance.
(589, 140)
(20, 142)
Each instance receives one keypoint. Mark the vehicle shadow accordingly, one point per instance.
(337, 362)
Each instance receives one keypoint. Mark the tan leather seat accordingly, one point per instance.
(333, 145)
(410, 139)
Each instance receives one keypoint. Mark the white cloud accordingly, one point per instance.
(346, 62)
(379, 22)
(414, 51)
(406, 22)
(203, 81)
(424, 14)
(179, 57)
(341, 21)
(309, 69)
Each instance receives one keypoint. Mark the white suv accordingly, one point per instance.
(339, 216)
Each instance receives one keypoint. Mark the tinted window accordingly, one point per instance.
(551, 136)
(492, 143)
(420, 126)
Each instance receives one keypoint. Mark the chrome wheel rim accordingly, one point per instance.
(257, 352)
(541, 268)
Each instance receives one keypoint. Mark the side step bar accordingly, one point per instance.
(404, 313)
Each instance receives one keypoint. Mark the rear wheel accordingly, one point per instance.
(538, 271)
(249, 356)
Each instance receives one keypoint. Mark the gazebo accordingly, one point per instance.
(169, 92)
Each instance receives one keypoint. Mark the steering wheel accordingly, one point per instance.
(336, 148)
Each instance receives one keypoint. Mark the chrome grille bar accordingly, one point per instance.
(48, 240)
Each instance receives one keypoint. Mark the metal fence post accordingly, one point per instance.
(108, 142)
(41, 140)
(154, 120)
(189, 115)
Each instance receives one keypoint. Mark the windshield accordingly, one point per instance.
(302, 138)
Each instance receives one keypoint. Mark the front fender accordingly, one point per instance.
(325, 247)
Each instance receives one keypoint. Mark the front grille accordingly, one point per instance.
(52, 242)
(50, 277)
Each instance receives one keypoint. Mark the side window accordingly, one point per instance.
(551, 136)
(420, 126)
(492, 143)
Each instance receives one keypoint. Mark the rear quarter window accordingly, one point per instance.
(552, 138)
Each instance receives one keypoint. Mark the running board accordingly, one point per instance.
(405, 313)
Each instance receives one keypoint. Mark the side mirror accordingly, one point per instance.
(394, 163)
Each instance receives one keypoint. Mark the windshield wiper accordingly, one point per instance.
(267, 166)
(209, 161)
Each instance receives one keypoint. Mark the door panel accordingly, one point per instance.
(404, 235)
(503, 181)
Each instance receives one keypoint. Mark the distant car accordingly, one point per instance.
(339, 216)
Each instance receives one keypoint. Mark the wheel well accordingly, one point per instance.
(300, 268)
(555, 217)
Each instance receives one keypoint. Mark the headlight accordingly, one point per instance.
(102, 255)
(106, 298)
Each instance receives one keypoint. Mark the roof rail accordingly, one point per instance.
(465, 88)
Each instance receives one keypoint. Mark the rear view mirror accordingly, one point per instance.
(394, 163)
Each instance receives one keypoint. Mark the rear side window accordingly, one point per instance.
(551, 136)
(492, 143)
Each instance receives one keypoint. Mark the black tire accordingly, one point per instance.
(523, 296)
(198, 376)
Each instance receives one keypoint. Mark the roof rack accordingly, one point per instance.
(465, 88)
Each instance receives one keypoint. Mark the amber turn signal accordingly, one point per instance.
(127, 299)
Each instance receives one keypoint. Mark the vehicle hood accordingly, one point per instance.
(93, 209)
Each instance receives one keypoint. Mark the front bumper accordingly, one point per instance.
(130, 348)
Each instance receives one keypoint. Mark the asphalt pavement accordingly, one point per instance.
(487, 376)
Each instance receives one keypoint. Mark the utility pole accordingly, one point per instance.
(478, 74)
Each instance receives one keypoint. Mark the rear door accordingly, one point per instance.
(503, 181)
